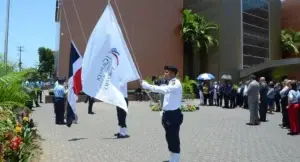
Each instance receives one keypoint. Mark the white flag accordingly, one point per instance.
(107, 63)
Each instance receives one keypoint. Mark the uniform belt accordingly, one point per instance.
(60, 98)
(171, 110)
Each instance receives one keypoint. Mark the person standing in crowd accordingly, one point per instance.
(211, 94)
(271, 98)
(40, 86)
(91, 101)
(201, 96)
(205, 93)
(216, 89)
(59, 101)
(253, 99)
(277, 89)
(232, 96)
(293, 108)
(226, 94)
(172, 117)
(121, 113)
(284, 103)
(245, 97)
(263, 99)
(240, 91)
(219, 95)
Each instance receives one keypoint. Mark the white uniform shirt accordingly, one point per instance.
(172, 93)
(245, 90)
(123, 89)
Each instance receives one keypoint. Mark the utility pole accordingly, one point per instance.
(20, 49)
(6, 35)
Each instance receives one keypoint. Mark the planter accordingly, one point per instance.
(184, 107)
(49, 98)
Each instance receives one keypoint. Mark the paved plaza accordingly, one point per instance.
(211, 134)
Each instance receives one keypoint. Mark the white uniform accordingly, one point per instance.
(172, 93)
(172, 117)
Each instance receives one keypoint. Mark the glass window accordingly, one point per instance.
(245, 66)
(254, 51)
(259, 12)
(256, 41)
(251, 4)
(247, 28)
(250, 61)
(250, 19)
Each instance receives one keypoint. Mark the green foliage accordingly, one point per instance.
(156, 106)
(188, 108)
(184, 108)
(198, 32)
(11, 67)
(34, 75)
(13, 101)
(46, 61)
(149, 80)
(290, 41)
(188, 88)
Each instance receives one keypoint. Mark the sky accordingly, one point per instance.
(32, 25)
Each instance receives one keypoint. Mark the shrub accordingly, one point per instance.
(188, 108)
(17, 136)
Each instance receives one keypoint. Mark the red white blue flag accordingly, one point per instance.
(74, 83)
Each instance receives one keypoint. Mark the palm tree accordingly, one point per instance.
(199, 36)
(290, 42)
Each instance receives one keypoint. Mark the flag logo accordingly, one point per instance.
(116, 54)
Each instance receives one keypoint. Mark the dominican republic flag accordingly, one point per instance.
(74, 83)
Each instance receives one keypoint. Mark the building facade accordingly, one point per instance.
(249, 33)
(153, 28)
(290, 12)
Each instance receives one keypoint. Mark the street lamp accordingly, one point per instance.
(6, 34)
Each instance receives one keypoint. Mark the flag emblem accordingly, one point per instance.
(116, 54)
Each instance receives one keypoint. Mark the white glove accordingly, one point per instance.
(145, 85)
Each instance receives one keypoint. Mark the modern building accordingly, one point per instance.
(249, 33)
(153, 27)
(249, 36)
(290, 12)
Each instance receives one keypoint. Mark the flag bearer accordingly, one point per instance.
(91, 101)
(172, 117)
(121, 113)
(59, 102)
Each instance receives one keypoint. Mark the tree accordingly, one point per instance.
(46, 61)
(290, 41)
(11, 67)
(199, 36)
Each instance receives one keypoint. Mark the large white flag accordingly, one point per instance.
(107, 63)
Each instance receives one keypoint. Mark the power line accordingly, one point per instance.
(20, 49)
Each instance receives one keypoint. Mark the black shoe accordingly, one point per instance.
(92, 113)
(292, 133)
(69, 124)
(123, 136)
(41, 102)
(252, 124)
(117, 134)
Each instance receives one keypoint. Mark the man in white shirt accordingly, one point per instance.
(172, 117)
(121, 113)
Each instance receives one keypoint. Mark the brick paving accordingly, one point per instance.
(211, 134)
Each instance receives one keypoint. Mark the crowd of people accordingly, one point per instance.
(259, 97)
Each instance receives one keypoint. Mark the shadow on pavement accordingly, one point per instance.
(76, 139)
